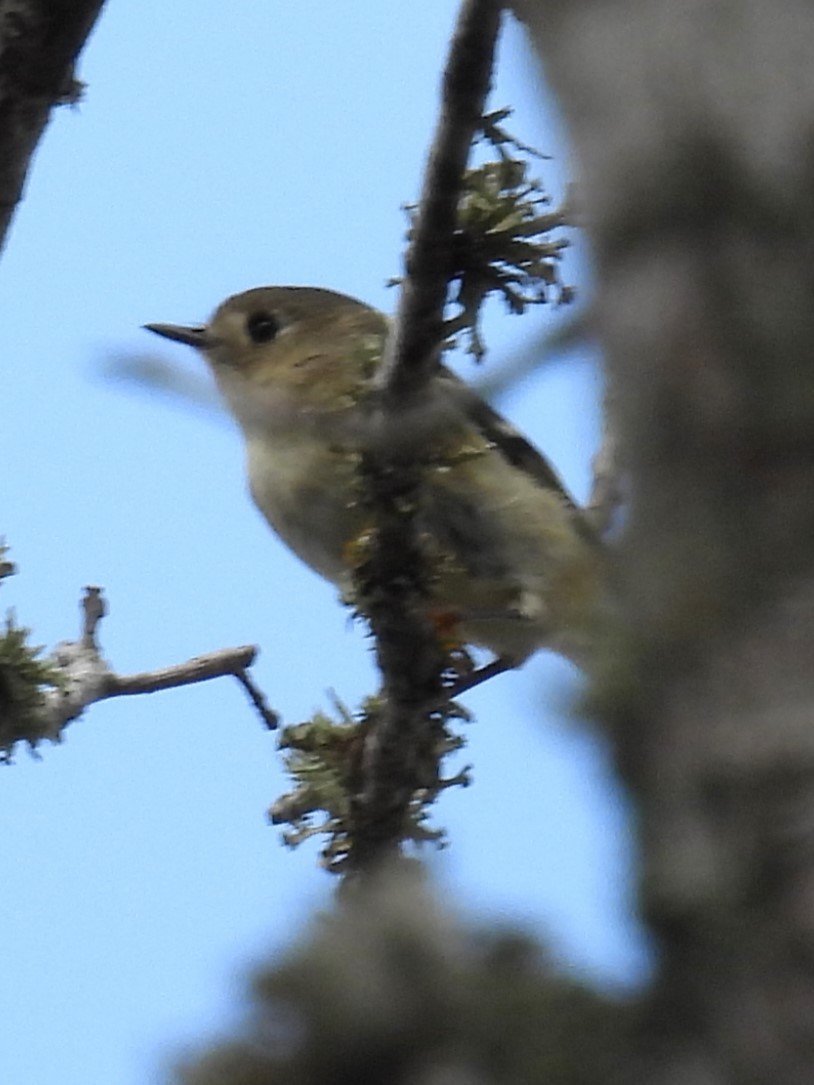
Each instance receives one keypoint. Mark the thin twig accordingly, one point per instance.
(256, 696)
(86, 677)
(94, 609)
(218, 664)
(198, 669)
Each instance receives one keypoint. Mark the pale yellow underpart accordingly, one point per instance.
(505, 551)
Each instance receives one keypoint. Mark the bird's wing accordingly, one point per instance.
(519, 451)
(513, 446)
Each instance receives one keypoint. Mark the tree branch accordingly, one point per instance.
(692, 122)
(607, 487)
(413, 345)
(401, 753)
(86, 677)
(39, 43)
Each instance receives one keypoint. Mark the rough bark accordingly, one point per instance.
(694, 121)
(401, 750)
(39, 43)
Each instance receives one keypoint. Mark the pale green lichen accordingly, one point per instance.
(323, 756)
(24, 680)
(502, 242)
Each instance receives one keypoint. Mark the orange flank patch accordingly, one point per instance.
(447, 624)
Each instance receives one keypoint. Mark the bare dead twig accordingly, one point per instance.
(86, 677)
(256, 696)
(94, 609)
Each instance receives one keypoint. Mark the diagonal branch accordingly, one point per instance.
(413, 345)
(39, 43)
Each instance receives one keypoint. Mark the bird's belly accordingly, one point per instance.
(502, 553)
(307, 502)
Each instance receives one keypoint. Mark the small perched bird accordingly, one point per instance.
(511, 560)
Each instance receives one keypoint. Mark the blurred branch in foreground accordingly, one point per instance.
(390, 988)
(692, 123)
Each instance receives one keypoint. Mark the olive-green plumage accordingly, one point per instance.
(511, 559)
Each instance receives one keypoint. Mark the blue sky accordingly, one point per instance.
(221, 147)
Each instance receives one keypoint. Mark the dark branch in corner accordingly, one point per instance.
(39, 43)
(418, 331)
(86, 677)
(401, 751)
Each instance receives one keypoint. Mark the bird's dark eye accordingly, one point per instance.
(262, 327)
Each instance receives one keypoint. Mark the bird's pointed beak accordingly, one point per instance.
(192, 336)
